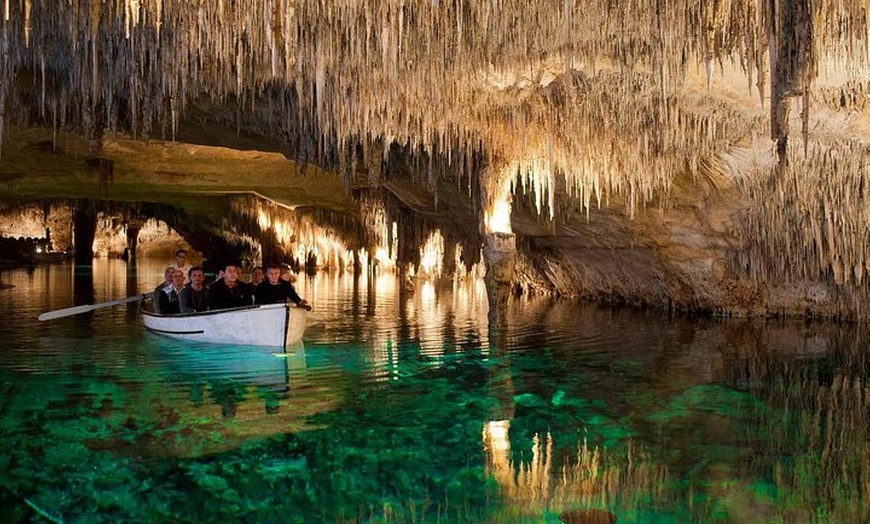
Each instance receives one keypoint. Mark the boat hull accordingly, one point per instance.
(274, 325)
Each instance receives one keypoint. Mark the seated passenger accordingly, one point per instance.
(257, 275)
(275, 290)
(182, 264)
(167, 281)
(168, 297)
(229, 291)
(195, 296)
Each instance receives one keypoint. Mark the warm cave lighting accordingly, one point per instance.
(263, 219)
(385, 254)
(432, 255)
(498, 218)
(383, 258)
(301, 236)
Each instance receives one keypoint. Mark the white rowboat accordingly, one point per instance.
(275, 325)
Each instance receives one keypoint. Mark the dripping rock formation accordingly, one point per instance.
(696, 155)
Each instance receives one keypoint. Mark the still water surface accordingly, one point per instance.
(412, 407)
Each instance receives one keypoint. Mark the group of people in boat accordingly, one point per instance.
(184, 288)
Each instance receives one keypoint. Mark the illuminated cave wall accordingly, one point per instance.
(31, 220)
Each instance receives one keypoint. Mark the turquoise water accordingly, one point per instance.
(411, 407)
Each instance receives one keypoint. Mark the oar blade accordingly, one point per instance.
(66, 312)
(77, 310)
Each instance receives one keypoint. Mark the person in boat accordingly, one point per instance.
(182, 264)
(167, 281)
(275, 290)
(257, 275)
(229, 291)
(168, 298)
(195, 295)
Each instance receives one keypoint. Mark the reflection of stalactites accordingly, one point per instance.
(840, 425)
(589, 478)
(525, 481)
(83, 293)
(828, 408)
(497, 445)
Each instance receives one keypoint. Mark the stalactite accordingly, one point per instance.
(5, 73)
(586, 93)
(793, 63)
(2, 115)
(813, 227)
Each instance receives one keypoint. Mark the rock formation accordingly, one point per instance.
(699, 155)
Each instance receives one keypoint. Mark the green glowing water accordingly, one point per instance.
(414, 408)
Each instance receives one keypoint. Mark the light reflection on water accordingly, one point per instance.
(408, 406)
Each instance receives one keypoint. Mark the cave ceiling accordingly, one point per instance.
(603, 97)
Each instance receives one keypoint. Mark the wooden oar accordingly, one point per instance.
(77, 310)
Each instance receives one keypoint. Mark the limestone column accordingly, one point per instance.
(133, 229)
(85, 229)
(792, 66)
(357, 265)
(132, 287)
(499, 254)
(500, 246)
(499, 257)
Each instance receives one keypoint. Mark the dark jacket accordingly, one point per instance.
(193, 300)
(223, 297)
(266, 293)
(167, 301)
(155, 296)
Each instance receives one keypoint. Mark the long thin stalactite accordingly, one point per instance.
(594, 97)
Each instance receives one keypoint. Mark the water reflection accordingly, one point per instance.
(420, 409)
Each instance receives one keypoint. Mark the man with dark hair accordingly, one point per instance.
(195, 296)
(257, 275)
(228, 291)
(275, 290)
